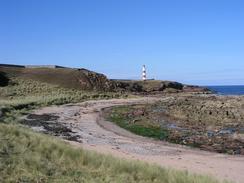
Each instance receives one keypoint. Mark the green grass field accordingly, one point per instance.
(26, 156)
(119, 115)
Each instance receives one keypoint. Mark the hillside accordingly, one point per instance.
(63, 77)
(83, 79)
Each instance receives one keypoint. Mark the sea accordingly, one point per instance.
(227, 90)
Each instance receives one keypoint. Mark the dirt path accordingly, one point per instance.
(104, 137)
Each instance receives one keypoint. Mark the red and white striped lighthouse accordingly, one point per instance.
(144, 73)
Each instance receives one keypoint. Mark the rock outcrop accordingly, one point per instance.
(193, 88)
(94, 81)
(155, 86)
(207, 109)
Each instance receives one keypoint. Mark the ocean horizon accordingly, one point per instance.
(227, 89)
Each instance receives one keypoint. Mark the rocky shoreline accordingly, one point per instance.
(209, 122)
(48, 124)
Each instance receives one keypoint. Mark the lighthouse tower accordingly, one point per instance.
(144, 73)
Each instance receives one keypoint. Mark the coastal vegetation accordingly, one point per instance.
(27, 156)
(22, 95)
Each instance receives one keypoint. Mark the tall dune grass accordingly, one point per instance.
(22, 95)
(29, 157)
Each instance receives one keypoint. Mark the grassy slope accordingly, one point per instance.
(25, 94)
(26, 156)
(63, 77)
(29, 157)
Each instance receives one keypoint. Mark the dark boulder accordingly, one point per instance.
(192, 88)
(135, 87)
(3, 79)
(169, 84)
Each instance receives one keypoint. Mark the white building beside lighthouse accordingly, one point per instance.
(144, 73)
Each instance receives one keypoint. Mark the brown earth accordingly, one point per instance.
(92, 132)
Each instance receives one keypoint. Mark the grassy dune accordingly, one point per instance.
(29, 157)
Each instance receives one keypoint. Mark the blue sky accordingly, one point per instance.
(191, 41)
